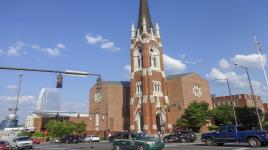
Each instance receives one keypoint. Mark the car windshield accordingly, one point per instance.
(143, 135)
(23, 139)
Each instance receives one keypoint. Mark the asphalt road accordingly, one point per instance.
(170, 146)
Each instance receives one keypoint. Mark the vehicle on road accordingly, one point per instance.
(138, 141)
(70, 139)
(21, 142)
(92, 138)
(234, 134)
(181, 136)
(4, 145)
(36, 140)
(117, 135)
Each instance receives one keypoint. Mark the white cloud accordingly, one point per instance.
(107, 45)
(234, 79)
(224, 64)
(239, 82)
(11, 87)
(18, 49)
(127, 69)
(22, 99)
(173, 65)
(252, 60)
(60, 45)
(15, 50)
(102, 42)
(94, 39)
(52, 51)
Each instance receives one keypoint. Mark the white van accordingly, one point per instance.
(21, 142)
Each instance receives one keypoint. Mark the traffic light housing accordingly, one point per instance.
(59, 81)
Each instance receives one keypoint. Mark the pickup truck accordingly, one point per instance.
(235, 134)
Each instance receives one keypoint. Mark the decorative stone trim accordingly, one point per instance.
(163, 74)
(144, 72)
(131, 127)
(131, 101)
(154, 126)
(160, 44)
(145, 127)
(149, 71)
(166, 99)
(144, 99)
(152, 99)
(132, 76)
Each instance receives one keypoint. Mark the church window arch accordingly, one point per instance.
(154, 57)
(139, 88)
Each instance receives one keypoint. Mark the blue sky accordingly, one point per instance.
(198, 36)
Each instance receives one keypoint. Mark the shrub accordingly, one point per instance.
(212, 127)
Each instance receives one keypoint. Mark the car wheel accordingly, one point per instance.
(209, 141)
(140, 147)
(254, 142)
(183, 140)
(166, 140)
(117, 147)
(220, 144)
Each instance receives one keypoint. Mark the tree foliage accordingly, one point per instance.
(195, 116)
(222, 115)
(247, 117)
(59, 129)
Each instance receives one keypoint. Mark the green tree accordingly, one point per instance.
(222, 115)
(80, 128)
(69, 127)
(247, 117)
(55, 128)
(194, 116)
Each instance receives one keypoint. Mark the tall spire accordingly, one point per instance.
(144, 14)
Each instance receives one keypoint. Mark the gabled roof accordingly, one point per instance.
(145, 13)
(124, 83)
(179, 75)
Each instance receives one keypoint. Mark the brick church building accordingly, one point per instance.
(151, 101)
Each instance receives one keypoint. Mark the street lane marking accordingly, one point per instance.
(244, 148)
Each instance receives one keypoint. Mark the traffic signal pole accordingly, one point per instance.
(59, 76)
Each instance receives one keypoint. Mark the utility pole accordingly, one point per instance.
(231, 98)
(18, 95)
(253, 96)
(258, 46)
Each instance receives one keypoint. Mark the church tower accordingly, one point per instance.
(148, 84)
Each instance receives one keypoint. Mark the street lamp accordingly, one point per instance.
(231, 97)
(252, 93)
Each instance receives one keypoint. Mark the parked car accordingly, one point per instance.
(117, 135)
(21, 142)
(138, 141)
(69, 139)
(4, 145)
(36, 140)
(234, 134)
(180, 136)
(92, 138)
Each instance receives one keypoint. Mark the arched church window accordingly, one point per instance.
(154, 57)
(140, 58)
(139, 88)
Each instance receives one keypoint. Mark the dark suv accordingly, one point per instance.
(69, 139)
(117, 135)
(182, 136)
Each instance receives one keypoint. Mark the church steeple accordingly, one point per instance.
(144, 15)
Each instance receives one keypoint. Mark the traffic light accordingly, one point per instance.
(59, 81)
